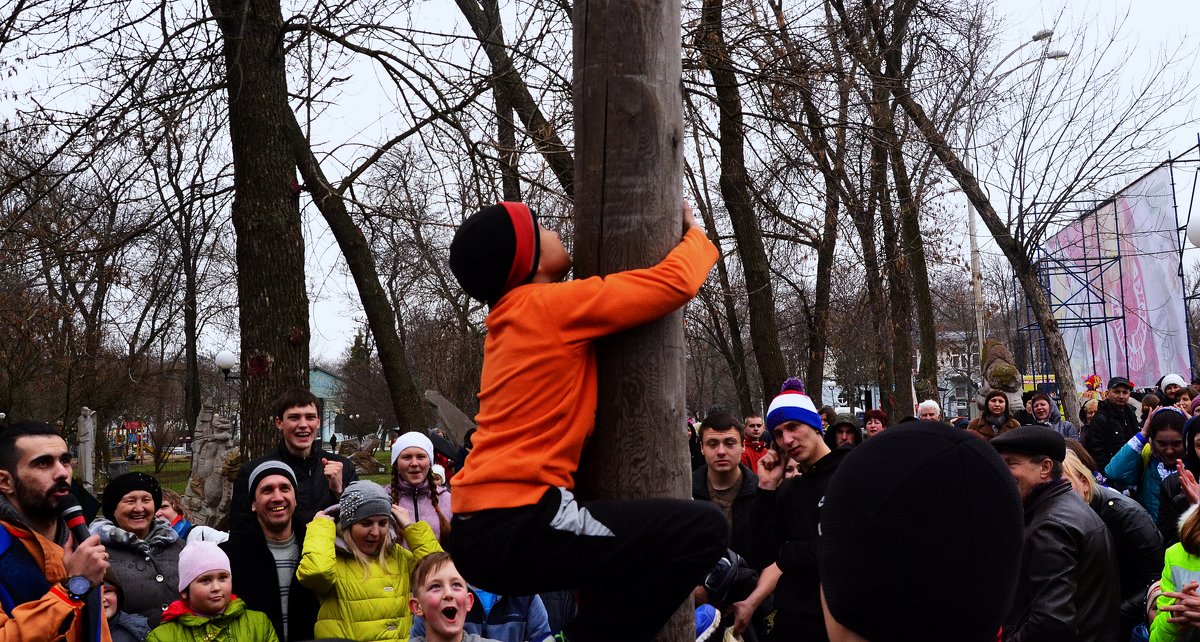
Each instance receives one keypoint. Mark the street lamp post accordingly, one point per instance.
(987, 86)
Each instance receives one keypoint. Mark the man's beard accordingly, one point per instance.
(36, 505)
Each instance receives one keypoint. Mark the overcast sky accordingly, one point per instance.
(1149, 26)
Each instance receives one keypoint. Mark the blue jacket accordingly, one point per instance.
(511, 619)
(1128, 468)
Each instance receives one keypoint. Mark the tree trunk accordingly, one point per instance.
(506, 130)
(272, 299)
(737, 349)
(819, 319)
(629, 129)
(735, 189)
(411, 411)
(515, 92)
(1021, 264)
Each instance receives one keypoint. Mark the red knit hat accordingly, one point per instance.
(495, 250)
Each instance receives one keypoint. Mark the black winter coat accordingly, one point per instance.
(1111, 427)
(743, 534)
(1139, 550)
(312, 490)
(1172, 504)
(257, 583)
(787, 521)
(1067, 590)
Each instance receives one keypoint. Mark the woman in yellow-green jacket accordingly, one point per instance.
(357, 568)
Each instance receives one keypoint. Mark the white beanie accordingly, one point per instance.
(1173, 379)
(411, 440)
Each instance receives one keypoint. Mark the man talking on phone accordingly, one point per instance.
(788, 515)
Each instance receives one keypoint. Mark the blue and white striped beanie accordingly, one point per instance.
(793, 405)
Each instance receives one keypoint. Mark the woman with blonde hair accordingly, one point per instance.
(1135, 537)
(357, 568)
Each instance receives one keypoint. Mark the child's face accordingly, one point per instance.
(553, 259)
(109, 597)
(443, 600)
(210, 593)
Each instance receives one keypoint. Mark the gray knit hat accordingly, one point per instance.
(362, 499)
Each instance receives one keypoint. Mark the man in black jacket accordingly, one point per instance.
(320, 476)
(786, 516)
(267, 555)
(725, 482)
(1114, 423)
(1067, 589)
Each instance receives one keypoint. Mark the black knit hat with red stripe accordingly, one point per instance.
(495, 250)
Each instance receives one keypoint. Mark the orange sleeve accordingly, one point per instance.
(598, 306)
(42, 620)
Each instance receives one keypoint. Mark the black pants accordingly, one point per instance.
(634, 562)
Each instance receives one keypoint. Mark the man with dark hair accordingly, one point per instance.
(1114, 423)
(46, 590)
(267, 556)
(1067, 589)
(724, 480)
(320, 475)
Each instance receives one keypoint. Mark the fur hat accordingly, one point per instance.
(931, 473)
(411, 439)
(360, 500)
(1173, 379)
(198, 558)
(268, 468)
(495, 250)
(118, 488)
(793, 405)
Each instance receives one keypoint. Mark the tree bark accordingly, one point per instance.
(629, 131)
(814, 377)
(735, 189)
(272, 299)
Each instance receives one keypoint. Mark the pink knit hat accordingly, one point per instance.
(198, 558)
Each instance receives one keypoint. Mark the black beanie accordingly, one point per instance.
(123, 485)
(495, 250)
(909, 514)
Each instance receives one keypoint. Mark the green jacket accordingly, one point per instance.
(367, 610)
(1179, 568)
(236, 624)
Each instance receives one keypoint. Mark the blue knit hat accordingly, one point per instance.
(793, 405)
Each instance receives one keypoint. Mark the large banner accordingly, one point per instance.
(1117, 269)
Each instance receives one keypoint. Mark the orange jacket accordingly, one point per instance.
(41, 620)
(537, 397)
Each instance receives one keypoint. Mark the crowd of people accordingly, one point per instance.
(804, 524)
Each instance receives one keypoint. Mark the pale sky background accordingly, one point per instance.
(1150, 26)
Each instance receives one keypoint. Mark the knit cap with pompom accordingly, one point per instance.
(793, 404)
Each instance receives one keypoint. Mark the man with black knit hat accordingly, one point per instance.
(949, 518)
(267, 556)
(1068, 584)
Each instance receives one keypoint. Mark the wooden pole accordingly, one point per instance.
(628, 190)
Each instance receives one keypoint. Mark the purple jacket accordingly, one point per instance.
(416, 500)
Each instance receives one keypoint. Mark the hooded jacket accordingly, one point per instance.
(42, 617)
(370, 609)
(236, 624)
(417, 500)
(1067, 590)
(1130, 468)
(147, 569)
(128, 627)
(1055, 422)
